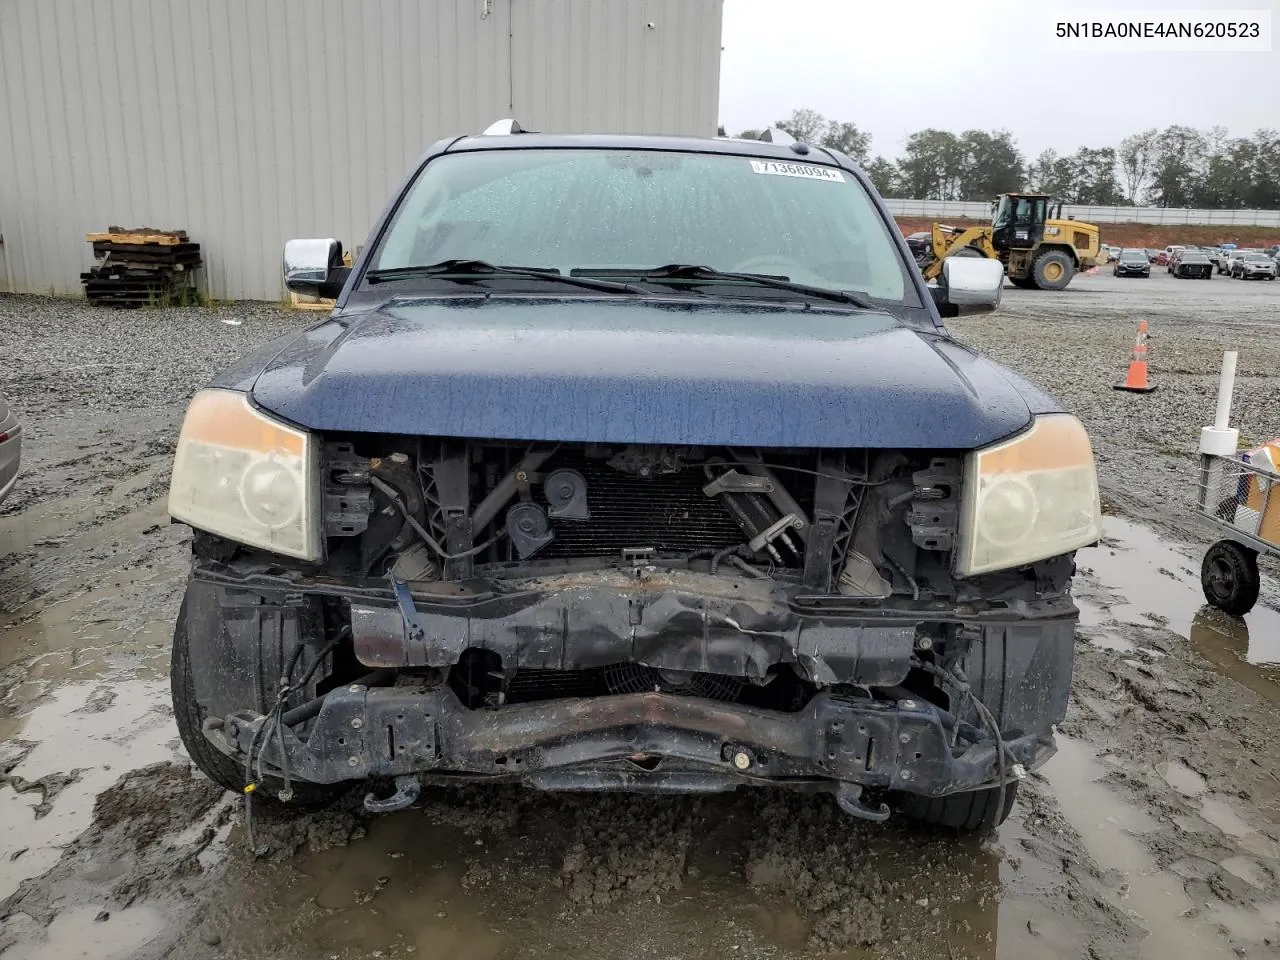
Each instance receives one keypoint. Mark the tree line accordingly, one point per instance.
(1175, 167)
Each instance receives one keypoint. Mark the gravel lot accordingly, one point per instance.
(1076, 344)
(1154, 833)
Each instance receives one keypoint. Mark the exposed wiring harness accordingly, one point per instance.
(439, 549)
(394, 496)
(273, 725)
(718, 557)
(957, 681)
(911, 581)
(746, 568)
(843, 477)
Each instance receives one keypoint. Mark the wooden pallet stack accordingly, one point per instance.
(142, 267)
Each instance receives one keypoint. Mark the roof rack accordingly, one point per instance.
(504, 127)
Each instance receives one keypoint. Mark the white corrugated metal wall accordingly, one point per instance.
(247, 122)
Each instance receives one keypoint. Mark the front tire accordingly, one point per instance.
(214, 764)
(1229, 577)
(979, 811)
(1053, 270)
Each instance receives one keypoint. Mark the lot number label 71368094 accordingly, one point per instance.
(802, 170)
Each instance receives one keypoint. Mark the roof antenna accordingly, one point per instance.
(503, 127)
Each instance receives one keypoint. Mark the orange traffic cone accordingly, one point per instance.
(1135, 380)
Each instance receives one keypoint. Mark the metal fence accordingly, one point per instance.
(961, 209)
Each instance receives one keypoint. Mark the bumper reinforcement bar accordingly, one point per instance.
(639, 741)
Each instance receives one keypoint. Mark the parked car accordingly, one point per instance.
(1234, 255)
(1153, 256)
(1162, 258)
(657, 509)
(1254, 266)
(1214, 254)
(1113, 253)
(1132, 263)
(10, 448)
(1176, 255)
(1193, 262)
(1224, 260)
(920, 244)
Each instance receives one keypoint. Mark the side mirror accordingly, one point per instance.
(315, 267)
(969, 285)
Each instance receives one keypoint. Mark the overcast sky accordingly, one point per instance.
(899, 66)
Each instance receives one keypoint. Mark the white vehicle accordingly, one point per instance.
(1233, 257)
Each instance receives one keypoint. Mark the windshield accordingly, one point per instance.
(616, 209)
(1256, 256)
(1133, 255)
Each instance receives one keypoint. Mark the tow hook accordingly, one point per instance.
(849, 799)
(407, 789)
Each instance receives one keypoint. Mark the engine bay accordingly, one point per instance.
(854, 522)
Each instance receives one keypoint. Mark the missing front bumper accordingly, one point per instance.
(644, 742)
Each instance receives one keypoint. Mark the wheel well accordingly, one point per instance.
(1059, 248)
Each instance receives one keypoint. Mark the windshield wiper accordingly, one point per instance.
(695, 273)
(481, 269)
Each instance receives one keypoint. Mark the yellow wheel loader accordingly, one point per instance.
(1038, 250)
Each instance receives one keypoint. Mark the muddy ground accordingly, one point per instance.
(1154, 833)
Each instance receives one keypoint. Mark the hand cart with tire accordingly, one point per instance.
(1242, 499)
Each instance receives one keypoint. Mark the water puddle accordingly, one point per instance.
(441, 882)
(1178, 928)
(783, 925)
(1135, 578)
(85, 737)
(1246, 869)
(1108, 827)
(1238, 652)
(394, 865)
(86, 932)
(1182, 778)
(1222, 815)
(83, 657)
(105, 617)
(1259, 923)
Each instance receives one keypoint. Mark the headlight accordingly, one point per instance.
(244, 476)
(1029, 498)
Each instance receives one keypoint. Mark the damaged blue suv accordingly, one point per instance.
(630, 463)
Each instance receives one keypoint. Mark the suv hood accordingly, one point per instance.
(640, 371)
